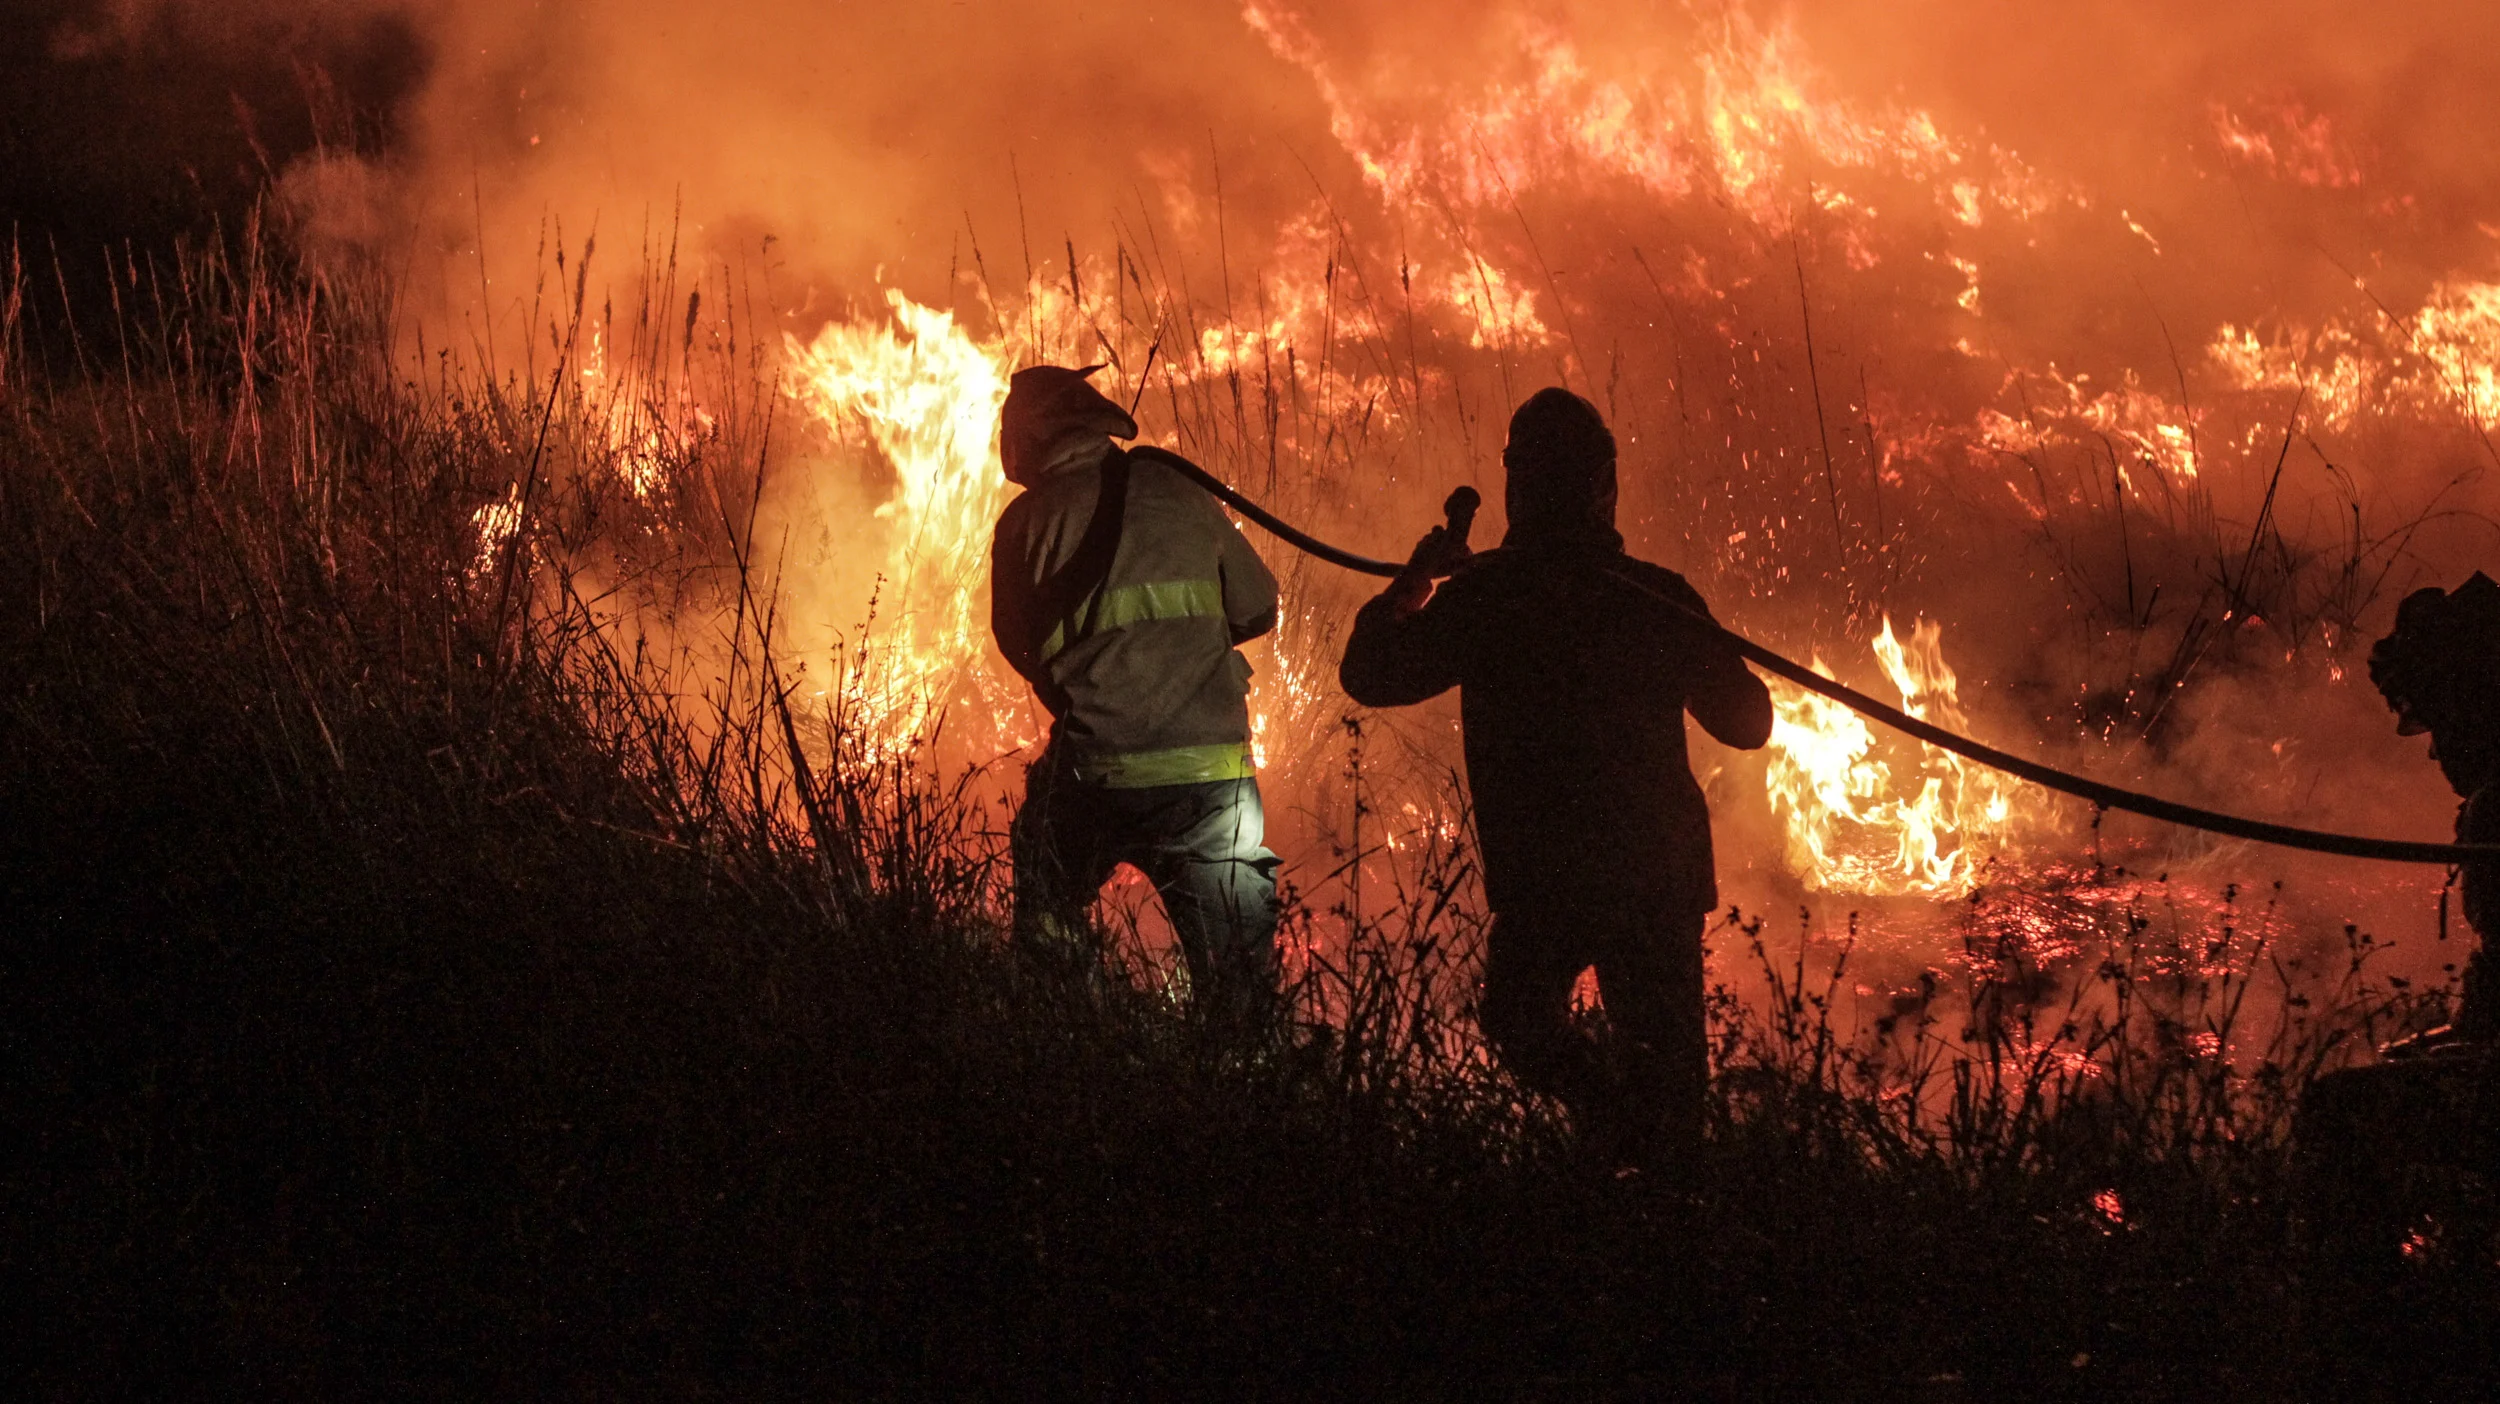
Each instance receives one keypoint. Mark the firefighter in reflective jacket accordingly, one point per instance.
(1595, 838)
(1120, 590)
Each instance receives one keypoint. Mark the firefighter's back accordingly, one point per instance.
(1573, 689)
(1136, 659)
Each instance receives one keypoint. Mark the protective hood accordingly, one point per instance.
(1559, 486)
(1051, 416)
(2437, 670)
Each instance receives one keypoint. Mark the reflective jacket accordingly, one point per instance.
(1572, 693)
(1119, 589)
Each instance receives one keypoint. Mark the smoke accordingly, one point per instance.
(855, 138)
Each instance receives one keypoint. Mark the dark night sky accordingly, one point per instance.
(142, 129)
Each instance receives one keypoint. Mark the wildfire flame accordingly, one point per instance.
(925, 394)
(1857, 824)
(1319, 372)
(643, 429)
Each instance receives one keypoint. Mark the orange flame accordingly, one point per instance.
(926, 395)
(1854, 823)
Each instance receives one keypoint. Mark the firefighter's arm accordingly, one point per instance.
(1401, 653)
(1733, 705)
(1249, 587)
(1727, 699)
(1011, 594)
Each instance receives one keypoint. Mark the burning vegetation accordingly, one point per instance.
(488, 555)
(1819, 319)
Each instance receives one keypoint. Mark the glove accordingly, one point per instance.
(1434, 555)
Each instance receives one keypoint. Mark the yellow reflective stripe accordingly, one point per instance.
(1135, 604)
(1181, 765)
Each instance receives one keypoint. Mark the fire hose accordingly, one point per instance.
(1460, 510)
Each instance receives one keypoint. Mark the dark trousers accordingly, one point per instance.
(1203, 846)
(1641, 1090)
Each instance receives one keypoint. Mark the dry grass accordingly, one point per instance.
(430, 974)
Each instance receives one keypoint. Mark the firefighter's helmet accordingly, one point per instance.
(2440, 669)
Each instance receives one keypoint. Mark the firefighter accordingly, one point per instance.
(2381, 1145)
(1120, 591)
(1573, 681)
(2440, 673)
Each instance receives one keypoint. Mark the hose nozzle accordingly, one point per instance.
(1460, 509)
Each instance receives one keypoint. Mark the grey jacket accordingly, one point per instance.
(1120, 589)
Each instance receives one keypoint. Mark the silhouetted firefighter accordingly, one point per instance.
(1119, 590)
(2440, 673)
(1595, 837)
(2400, 1156)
